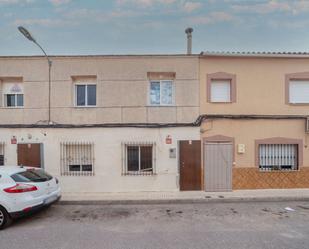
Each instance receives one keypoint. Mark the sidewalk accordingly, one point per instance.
(186, 197)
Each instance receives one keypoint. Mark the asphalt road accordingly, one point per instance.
(188, 226)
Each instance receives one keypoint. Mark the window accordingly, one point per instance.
(161, 92)
(32, 175)
(13, 95)
(220, 91)
(221, 88)
(299, 91)
(278, 157)
(77, 158)
(2, 153)
(14, 100)
(139, 158)
(86, 95)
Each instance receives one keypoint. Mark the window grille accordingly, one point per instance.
(2, 147)
(278, 157)
(139, 158)
(77, 158)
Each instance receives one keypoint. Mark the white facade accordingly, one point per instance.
(108, 155)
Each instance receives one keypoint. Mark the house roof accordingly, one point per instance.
(256, 54)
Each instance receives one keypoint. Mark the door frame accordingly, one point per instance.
(41, 153)
(201, 160)
(217, 139)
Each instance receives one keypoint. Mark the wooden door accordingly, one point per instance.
(190, 165)
(29, 155)
(218, 159)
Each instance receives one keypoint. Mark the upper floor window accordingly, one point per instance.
(299, 91)
(220, 91)
(297, 88)
(86, 95)
(161, 92)
(221, 88)
(13, 95)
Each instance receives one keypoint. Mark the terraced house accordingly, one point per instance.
(254, 108)
(213, 122)
(113, 123)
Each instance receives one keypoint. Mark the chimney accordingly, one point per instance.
(189, 40)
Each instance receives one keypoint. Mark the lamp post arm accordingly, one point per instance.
(47, 57)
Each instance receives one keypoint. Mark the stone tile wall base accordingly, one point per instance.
(252, 178)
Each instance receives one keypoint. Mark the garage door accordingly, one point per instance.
(218, 159)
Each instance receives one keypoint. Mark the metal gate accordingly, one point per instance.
(218, 159)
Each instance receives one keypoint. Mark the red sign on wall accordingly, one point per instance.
(13, 140)
(168, 139)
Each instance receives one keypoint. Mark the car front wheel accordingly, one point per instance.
(5, 219)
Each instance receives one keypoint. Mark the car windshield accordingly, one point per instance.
(32, 175)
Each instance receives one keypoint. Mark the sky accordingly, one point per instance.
(76, 27)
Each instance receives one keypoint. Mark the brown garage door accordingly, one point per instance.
(29, 155)
(190, 165)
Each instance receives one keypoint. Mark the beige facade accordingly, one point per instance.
(122, 89)
(122, 101)
(259, 111)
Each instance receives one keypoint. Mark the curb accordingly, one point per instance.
(181, 201)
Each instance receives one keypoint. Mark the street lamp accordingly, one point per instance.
(27, 34)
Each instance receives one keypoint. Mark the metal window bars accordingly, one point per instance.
(278, 157)
(77, 158)
(138, 158)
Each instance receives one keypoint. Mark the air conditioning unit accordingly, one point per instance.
(307, 125)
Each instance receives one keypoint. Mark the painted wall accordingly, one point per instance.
(108, 156)
(260, 84)
(247, 131)
(122, 89)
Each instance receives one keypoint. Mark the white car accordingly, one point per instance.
(24, 190)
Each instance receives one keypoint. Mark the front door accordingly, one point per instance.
(29, 155)
(218, 159)
(190, 165)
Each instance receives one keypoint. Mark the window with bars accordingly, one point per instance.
(2, 153)
(138, 159)
(278, 157)
(77, 158)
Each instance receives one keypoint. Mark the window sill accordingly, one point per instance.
(212, 102)
(139, 174)
(298, 104)
(12, 107)
(78, 173)
(279, 171)
(87, 106)
(173, 105)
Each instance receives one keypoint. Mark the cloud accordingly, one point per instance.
(44, 22)
(59, 2)
(271, 6)
(144, 3)
(213, 17)
(16, 2)
(191, 6)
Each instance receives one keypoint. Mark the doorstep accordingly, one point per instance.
(185, 197)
